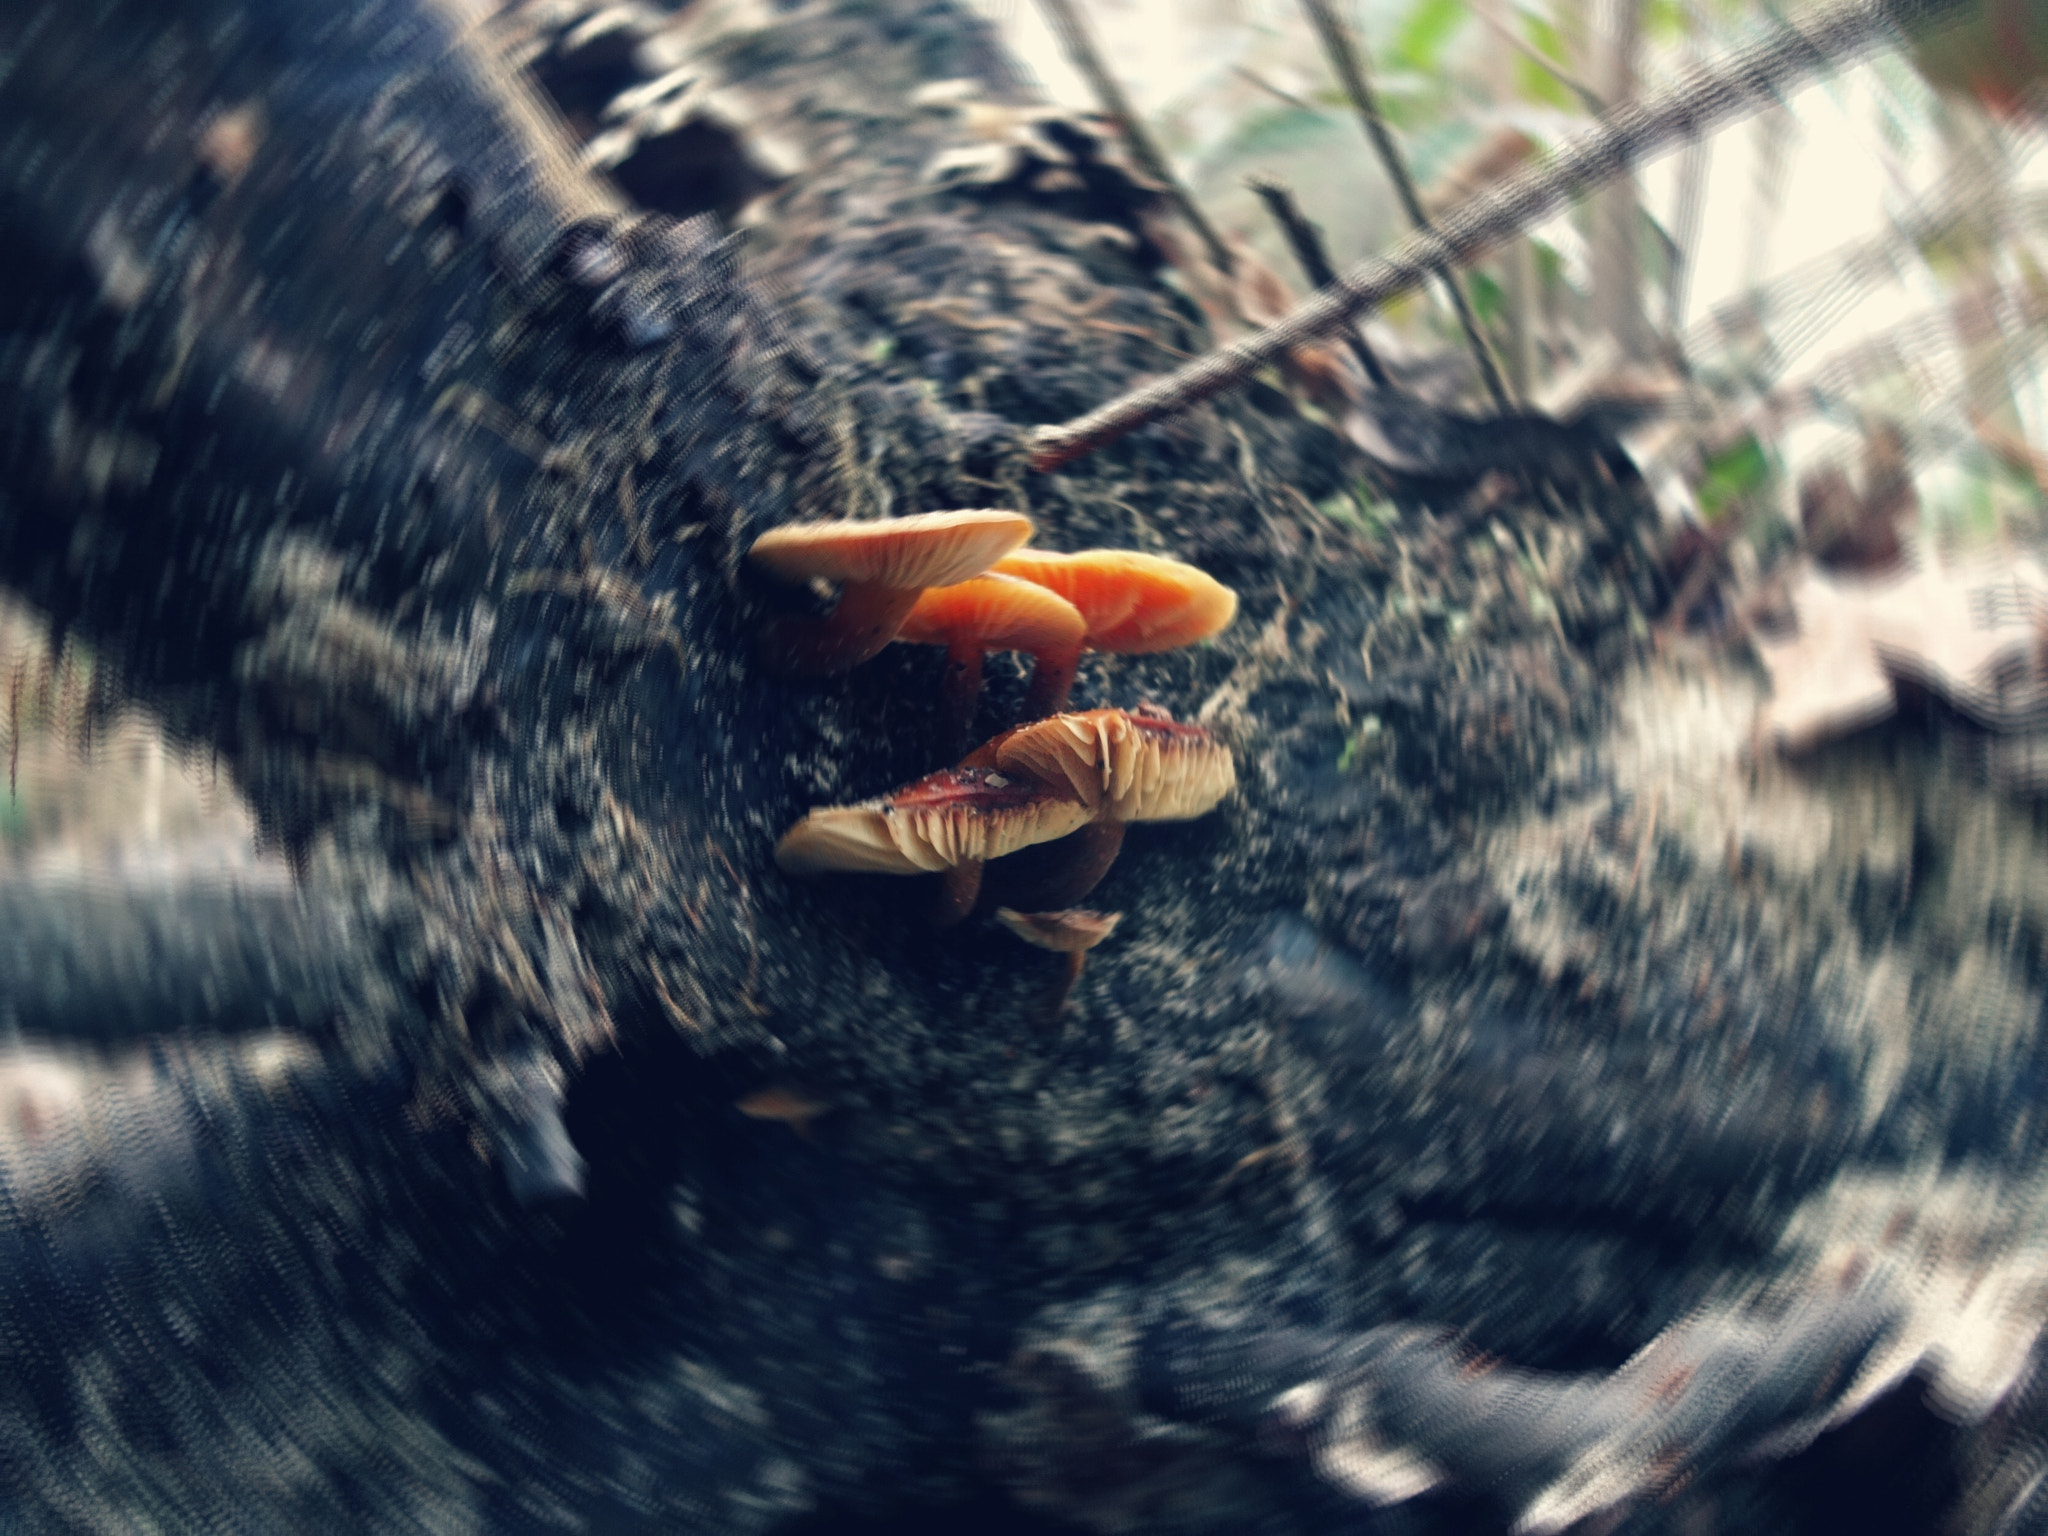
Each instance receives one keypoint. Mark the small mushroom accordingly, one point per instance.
(989, 613)
(948, 823)
(1071, 933)
(880, 568)
(1123, 766)
(781, 1102)
(1133, 603)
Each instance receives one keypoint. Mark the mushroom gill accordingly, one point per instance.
(1123, 766)
(947, 823)
(1090, 773)
(1126, 765)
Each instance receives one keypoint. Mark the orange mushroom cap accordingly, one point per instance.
(956, 817)
(880, 567)
(925, 549)
(993, 613)
(1133, 603)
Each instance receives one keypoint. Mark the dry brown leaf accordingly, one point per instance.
(1967, 632)
(1862, 528)
(1491, 161)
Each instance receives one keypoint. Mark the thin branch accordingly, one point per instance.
(1079, 47)
(1517, 261)
(1617, 260)
(1689, 201)
(1346, 58)
(1307, 242)
(1253, 77)
(1588, 97)
(1747, 79)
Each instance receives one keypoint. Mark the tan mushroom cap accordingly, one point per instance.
(993, 613)
(1128, 765)
(1133, 603)
(1071, 932)
(925, 549)
(956, 817)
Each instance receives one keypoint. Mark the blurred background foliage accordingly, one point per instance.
(1868, 255)
(88, 781)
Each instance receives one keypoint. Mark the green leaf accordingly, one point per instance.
(1663, 20)
(1283, 128)
(1538, 86)
(1419, 45)
(1489, 299)
(1732, 476)
(1365, 742)
(1532, 81)
(1358, 508)
(1545, 38)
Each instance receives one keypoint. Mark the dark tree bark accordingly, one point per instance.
(183, 956)
(414, 469)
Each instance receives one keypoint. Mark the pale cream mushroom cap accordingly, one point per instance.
(959, 816)
(1130, 766)
(925, 549)
(1071, 932)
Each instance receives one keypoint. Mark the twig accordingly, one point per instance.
(1346, 59)
(1690, 201)
(1750, 77)
(1079, 47)
(1616, 254)
(1307, 242)
(1253, 77)
(1588, 97)
(1645, 843)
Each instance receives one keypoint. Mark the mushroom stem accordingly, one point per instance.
(959, 889)
(1052, 679)
(1087, 855)
(866, 619)
(1071, 933)
(1064, 988)
(959, 693)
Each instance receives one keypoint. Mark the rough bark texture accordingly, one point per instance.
(173, 956)
(417, 472)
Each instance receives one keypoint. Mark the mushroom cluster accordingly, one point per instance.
(962, 580)
(1092, 773)
(1129, 603)
(881, 569)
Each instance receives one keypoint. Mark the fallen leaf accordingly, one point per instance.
(1965, 632)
